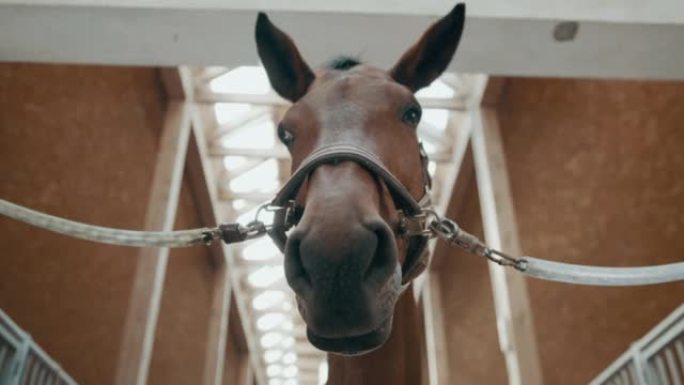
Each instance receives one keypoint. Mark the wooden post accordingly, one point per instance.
(178, 83)
(204, 190)
(459, 173)
(435, 340)
(143, 310)
(511, 302)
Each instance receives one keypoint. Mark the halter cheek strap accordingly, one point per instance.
(413, 222)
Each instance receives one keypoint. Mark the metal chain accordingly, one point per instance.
(449, 231)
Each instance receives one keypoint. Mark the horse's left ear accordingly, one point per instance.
(430, 56)
(287, 71)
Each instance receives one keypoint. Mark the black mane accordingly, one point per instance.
(343, 63)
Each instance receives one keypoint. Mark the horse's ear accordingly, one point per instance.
(430, 56)
(289, 75)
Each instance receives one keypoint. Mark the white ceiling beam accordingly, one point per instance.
(629, 39)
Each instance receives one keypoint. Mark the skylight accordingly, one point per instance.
(248, 80)
(257, 134)
(438, 89)
(228, 112)
(263, 178)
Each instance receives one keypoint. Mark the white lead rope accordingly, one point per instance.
(558, 271)
(108, 235)
(444, 228)
(601, 276)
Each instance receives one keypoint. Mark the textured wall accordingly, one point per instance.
(596, 172)
(78, 142)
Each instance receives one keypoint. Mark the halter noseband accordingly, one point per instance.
(412, 213)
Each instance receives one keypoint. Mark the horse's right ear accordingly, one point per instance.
(288, 73)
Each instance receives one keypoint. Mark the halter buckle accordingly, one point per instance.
(414, 225)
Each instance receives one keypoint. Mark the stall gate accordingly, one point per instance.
(655, 359)
(23, 362)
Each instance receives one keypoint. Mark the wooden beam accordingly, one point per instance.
(435, 338)
(202, 187)
(511, 302)
(458, 175)
(215, 356)
(178, 85)
(628, 38)
(143, 310)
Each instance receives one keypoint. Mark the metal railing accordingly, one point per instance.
(23, 362)
(655, 359)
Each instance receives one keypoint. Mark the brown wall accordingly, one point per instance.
(78, 142)
(596, 172)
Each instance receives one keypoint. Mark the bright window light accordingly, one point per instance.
(290, 371)
(271, 339)
(268, 299)
(234, 162)
(435, 117)
(287, 306)
(288, 342)
(429, 147)
(432, 167)
(228, 112)
(251, 80)
(273, 355)
(323, 372)
(239, 204)
(262, 178)
(269, 321)
(290, 358)
(287, 325)
(260, 250)
(290, 382)
(266, 276)
(257, 134)
(274, 370)
(438, 89)
(275, 381)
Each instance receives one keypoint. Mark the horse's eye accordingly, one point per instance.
(412, 115)
(285, 136)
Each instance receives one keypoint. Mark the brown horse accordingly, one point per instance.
(345, 259)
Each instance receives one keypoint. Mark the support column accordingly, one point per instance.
(143, 310)
(511, 302)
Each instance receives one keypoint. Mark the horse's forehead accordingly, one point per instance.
(325, 75)
(362, 85)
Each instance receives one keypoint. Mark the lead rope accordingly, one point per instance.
(230, 233)
(449, 231)
(443, 228)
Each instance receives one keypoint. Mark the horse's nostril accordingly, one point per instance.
(296, 275)
(384, 260)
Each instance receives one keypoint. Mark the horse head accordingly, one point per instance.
(346, 259)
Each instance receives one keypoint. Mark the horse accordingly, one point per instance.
(346, 258)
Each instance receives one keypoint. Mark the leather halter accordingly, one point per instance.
(412, 214)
